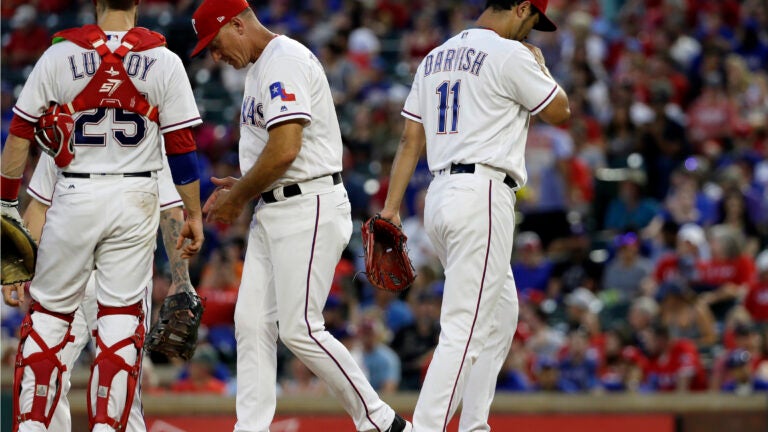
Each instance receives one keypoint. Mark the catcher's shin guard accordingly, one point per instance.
(42, 363)
(108, 364)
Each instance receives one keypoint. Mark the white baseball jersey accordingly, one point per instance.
(505, 83)
(43, 181)
(112, 140)
(288, 82)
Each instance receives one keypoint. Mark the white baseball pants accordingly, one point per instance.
(293, 248)
(470, 220)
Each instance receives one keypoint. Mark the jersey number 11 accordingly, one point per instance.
(442, 91)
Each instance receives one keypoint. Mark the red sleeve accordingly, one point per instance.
(746, 272)
(179, 142)
(22, 128)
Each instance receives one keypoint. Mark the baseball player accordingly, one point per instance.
(470, 105)
(290, 157)
(127, 95)
(40, 188)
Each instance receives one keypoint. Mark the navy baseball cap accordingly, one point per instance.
(737, 358)
(210, 17)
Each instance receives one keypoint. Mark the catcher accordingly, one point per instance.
(386, 258)
(175, 333)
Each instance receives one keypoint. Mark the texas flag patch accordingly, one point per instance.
(278, 89)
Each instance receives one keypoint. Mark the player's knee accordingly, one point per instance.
(294, 336)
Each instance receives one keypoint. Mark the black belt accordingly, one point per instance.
(470, 169)
(293, 189)
(97, 175)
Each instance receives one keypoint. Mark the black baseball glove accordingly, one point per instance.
(175, 332)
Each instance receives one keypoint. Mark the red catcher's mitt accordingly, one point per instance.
(53, 133)
(386, 257)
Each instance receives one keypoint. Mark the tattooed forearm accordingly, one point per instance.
(171, 222)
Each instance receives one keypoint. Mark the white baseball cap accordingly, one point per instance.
(692, 233)
(761, 262)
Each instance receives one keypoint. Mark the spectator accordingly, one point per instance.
(685, 317)
(575, 268)
(582, 309)
(548, 378)
(631, 210)
(725, 278)
(542, 340)
(579, 363)
(200, 374)
(742, 381)
(739, 335)
(756, 301)
(673, 364)
(301, 382)
(382, 363)
(627, 272)
(415, 342)
(395, 312)
(624, 373)
(643, 313)
(532, 268)
(681, 265)
(513, 376)
(28, 40)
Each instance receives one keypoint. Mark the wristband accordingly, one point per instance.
(9, 188)
(183, 168)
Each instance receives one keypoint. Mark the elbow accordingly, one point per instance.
(562, 116)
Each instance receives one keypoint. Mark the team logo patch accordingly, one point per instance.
(278, 89)
(220, 19)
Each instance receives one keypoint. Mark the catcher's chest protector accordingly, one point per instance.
(111, 87)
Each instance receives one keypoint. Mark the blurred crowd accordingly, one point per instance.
(640, 260)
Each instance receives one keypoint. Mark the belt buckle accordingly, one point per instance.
(279, 193)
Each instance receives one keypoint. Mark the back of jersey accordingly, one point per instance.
(112, 140)
(474, 95)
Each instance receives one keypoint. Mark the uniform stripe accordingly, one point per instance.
(536, 109)
(410, 115)
(38, 196)
(25, 115)
(180, 125)
(477, 310)
(289, 116)
(309, 329)
(168, 205)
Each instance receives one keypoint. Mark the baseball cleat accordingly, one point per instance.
(399, 424)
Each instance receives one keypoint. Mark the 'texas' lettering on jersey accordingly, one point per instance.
(86, 64)
(465, 59)
(251, 113)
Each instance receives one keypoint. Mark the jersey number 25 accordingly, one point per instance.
(120, 127)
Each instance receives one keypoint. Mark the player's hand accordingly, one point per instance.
(391, 216)
(193, 231)
(221, 184)
(226, 208)
(537, 54)
(8, 291)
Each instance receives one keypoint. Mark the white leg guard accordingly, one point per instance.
(116, 368)
(37, 380)
(62, 419)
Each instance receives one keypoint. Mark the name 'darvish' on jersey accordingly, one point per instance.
(252, 114)
(85, 65)
(449, 60)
